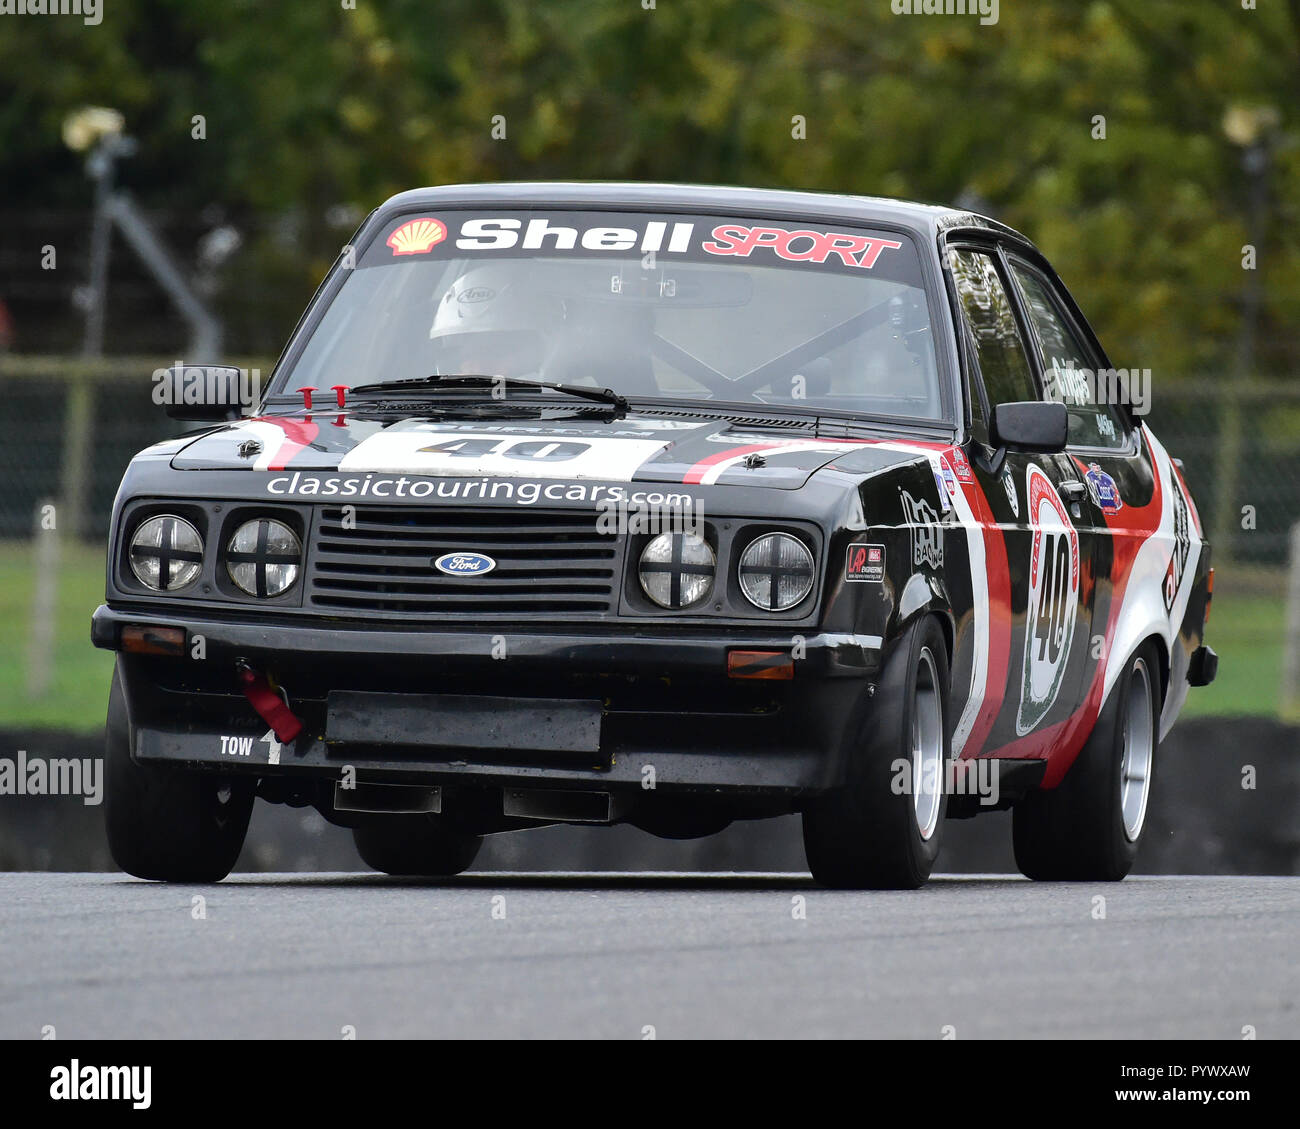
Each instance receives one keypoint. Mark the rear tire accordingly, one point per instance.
(1089, 827)
(415, 846)
(169, 824)
(872, 833)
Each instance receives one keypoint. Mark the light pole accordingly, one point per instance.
(98, 130)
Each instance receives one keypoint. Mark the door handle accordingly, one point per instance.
(1073, 490)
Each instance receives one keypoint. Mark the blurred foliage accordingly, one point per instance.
(316, 112)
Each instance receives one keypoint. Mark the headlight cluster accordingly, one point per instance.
(166, 553)
(263, 557)
(677, 570)
(775, 571)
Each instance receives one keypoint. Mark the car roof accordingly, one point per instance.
(924, 220)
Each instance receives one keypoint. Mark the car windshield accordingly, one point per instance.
(678, 307)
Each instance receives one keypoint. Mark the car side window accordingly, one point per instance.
(1003, 363)
(979, 423)
(1067, 375)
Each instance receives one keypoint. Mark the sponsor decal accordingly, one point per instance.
(949, 479)
(464, 564)
(417, 237)
(945, 501)
(927, 533)
(595, 234)
(1103, 489)
(962, 465)
(1053, 605)
(416, 488)
(1182, 548)
(502, 233)
(800, 246)
(1009, 485)
(865, 564)
(472, 294)
(1176, 465)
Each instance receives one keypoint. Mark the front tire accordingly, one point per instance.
(1089, 827)
(872, 833)
(168, 824)
(418, 846)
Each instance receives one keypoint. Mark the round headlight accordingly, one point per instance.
(677, 570)
(166, 553)
(263, 557)
(776, 572)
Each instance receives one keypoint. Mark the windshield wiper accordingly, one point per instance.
(481, 380)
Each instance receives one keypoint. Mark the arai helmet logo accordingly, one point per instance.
(464, 564)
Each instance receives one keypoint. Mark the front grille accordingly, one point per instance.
(380, 564)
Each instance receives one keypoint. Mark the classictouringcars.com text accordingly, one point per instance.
(525, 493)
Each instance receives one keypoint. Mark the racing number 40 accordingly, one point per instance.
(1049, 626)
(542, 450)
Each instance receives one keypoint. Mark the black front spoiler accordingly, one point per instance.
(432, 707)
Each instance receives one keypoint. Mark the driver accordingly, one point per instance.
(493, 322)
(497, 320)
(895, 361)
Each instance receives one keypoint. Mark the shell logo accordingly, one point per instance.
(417, 237)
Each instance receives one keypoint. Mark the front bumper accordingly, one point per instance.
(661, 699)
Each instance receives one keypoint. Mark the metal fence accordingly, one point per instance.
(68, 427)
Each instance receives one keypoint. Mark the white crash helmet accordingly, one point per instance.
(494, 320)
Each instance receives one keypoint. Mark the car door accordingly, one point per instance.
(1103, 450)
(1037, 625)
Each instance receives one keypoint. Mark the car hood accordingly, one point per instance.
(637, 449)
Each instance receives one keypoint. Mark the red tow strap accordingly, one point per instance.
(269, 705)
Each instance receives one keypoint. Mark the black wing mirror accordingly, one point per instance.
(204, 392)
(1031, 425)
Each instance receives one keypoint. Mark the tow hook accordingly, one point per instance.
(270, 707)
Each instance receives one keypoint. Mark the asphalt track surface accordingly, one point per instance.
(612, 955)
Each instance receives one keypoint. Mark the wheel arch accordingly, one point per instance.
(1154, 638)
(923, 597)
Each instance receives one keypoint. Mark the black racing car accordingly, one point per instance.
(669, 505)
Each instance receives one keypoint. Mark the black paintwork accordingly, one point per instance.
(660, 675)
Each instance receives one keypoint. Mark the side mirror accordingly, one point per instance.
(203, 392)
(1031, 425)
